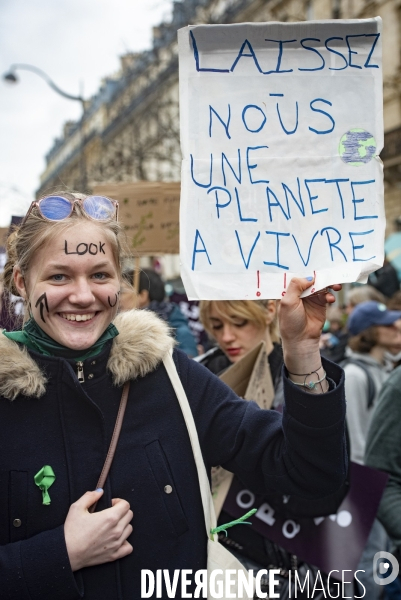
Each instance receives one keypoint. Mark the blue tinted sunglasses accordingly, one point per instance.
(58, 208)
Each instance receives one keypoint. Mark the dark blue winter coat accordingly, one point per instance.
(48, 418)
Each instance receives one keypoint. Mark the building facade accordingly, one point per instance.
(130, 128)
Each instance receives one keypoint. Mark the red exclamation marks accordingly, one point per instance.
(314, 284)
(258, 292)
(285, 284)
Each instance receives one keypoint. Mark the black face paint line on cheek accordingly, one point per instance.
(42, 300)
(112, 305)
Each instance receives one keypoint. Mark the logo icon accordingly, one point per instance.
(380, 569)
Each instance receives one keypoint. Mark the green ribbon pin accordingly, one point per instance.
(240, 521)
(45, 479)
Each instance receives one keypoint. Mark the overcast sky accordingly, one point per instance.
(77, 43)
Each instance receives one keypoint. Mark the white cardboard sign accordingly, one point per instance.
(281, 130)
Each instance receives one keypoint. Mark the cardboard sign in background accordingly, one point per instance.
(149, 213)
(281, 131)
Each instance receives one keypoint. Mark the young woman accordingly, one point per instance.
(61, 379)
(238, 326)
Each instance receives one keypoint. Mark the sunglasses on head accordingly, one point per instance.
(58, 208)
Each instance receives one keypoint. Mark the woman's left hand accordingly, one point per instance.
(301, 321)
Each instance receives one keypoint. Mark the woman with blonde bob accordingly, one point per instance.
(238, 326)
(61, 381)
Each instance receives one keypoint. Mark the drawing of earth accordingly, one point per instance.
(357, 147)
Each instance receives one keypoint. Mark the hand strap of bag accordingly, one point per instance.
(113, 443)
(207, 500)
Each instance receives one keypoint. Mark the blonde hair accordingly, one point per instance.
(251, 310)
(36, 233)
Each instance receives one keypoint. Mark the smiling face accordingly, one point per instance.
(73, 285)
(236, 335)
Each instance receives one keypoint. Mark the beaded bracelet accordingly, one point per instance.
(310, 385)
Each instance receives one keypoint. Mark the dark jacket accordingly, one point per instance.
(383, 451)
(245, 540)
(54, 420)
(385, 279)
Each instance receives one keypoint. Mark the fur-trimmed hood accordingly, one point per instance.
(143, 341)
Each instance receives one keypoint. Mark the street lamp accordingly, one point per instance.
(11, 77)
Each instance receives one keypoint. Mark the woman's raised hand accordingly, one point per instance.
(100, 537)
(301, 321)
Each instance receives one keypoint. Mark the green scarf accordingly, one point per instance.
(34, 338)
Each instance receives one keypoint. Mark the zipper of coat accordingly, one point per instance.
(80, 371)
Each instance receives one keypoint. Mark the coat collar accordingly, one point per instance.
(143, 341)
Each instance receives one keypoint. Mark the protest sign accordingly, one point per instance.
(281, 130)
(329, 543)
(149, 213)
